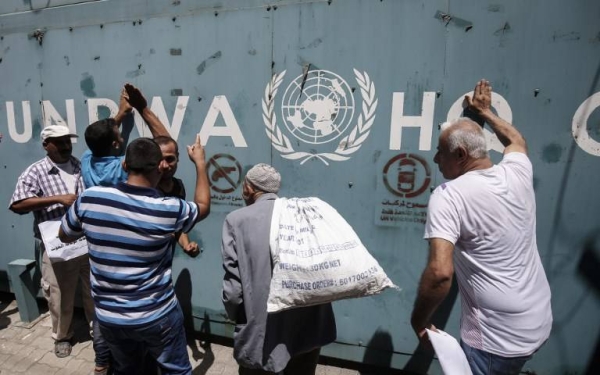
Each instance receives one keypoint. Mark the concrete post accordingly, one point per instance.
(20, 275)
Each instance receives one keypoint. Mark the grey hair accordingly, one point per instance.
(471, 138)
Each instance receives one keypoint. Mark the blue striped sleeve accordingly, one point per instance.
(70, 223)
(188, 215)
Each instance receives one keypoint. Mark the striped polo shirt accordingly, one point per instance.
(129, 231)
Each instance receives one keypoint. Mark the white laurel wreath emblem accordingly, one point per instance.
(347, 146)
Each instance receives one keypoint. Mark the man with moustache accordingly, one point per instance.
(171, 186)
(48, 188)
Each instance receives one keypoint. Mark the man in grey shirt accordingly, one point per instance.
(287, 342)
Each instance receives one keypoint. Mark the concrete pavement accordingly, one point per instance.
(29, 349)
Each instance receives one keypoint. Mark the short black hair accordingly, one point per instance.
(165, 140)
(142, 156)
(100, 136)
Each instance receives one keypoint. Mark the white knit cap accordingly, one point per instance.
(264, 177)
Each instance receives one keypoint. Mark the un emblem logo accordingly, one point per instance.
(318, 107)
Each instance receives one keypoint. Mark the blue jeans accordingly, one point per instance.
(164, 340)
(484, 363)
(100, 346)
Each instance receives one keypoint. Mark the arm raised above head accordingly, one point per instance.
(139, 102)
(202, 189)
(124, 107)
(508, 135)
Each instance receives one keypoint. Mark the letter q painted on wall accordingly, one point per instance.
(579, 127)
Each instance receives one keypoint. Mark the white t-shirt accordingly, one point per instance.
(490, 217)
(67, 173)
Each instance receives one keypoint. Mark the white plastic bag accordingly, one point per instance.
(57, 250)
(317, 257)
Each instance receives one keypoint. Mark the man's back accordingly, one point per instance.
(102, 171)
(129, 231)
(265, 340)
(490, 216)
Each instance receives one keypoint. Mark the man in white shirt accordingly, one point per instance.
(481, 225)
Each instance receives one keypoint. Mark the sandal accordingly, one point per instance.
(62, 349)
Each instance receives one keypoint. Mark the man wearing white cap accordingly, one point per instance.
(47, 188)
(287, 342)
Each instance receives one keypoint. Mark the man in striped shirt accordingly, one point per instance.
(47, 188)
(102, 165)
(129, 229)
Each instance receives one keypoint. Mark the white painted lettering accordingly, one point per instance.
(399, 121)
(579, 127)
(93, 105)
(158, 108)
(25, 136)
(231, 128)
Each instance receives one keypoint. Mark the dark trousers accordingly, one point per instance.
(164, 340)
(302, 364)
(100, 347)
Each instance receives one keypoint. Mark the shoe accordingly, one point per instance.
(102, 371)
(62, 349)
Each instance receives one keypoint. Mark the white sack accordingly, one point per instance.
(317, 257)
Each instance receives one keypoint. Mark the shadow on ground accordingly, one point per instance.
(6, 299)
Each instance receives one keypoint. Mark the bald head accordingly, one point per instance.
(465, 133)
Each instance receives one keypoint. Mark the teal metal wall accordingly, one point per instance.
(366, 81)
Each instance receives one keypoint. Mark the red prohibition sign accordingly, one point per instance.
(222, 171)
(405, 184)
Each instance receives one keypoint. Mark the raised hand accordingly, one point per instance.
(196, 151)
(124, 105)
(482, 97)
(135, 97)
